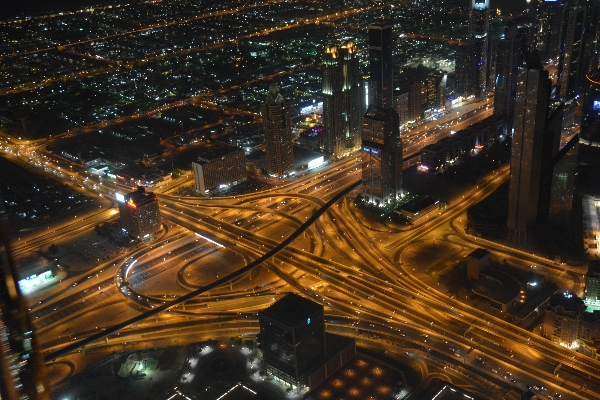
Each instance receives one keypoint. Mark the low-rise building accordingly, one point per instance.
(592, 283)
(563, 317)
(218, 168)
(478, 260)
(419, 211)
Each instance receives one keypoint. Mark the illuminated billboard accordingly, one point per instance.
(596, 105)
(120, 197)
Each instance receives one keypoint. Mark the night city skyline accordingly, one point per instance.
(300, 200)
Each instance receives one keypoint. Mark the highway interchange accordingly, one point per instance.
(354, 266)
(357, 266)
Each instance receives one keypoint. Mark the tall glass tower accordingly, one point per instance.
(382, 156)
(531, 112)
(509, 58)
(380, 65)
(479, 27)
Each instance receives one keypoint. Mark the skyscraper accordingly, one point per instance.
(278, 134)
(563, 167)
(380, 65)
(342, 100)
(509, 55)
(549, 27)
(479, 25)
(531, 111)
(382, 156)
(571, 49)
(466, 79)
(21, 365)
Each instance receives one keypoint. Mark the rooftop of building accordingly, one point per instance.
(417, 205)
(447, 391)
(206, 153)
(479, 253)
(376, 113)
(140, 197)
(434, 148)
(568, 301)
(292, 309)
(497, 286)
(380, 24)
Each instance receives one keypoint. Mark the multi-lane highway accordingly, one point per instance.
(359, 265)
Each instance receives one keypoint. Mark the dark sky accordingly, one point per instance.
(10, 8)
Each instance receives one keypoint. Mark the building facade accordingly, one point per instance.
(562, 318)
(223, 167)
(509, 57)
(278, 134)
(531, 111)
(566, 321)
(342, 100)
(592, 283)
(479, 26)
(380, 65)
(571, 49)
(563, 184)
(382, 156)
(548, 29)
(466, 77)
(140, 216)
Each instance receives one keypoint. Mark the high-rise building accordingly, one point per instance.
(466, 78)
(22, 374)
(382, 156)
(436, 90)
(571, 49)
(140, 216)
(278, 134)
(530, 119)
(380, 65)
(549, 27)
(508, 60)
(342, 100)
(292, 339)
(562, 184)
(590, 118)
(479, 26)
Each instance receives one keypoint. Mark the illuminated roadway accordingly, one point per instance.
(370, 269)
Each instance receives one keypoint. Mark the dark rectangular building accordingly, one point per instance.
(380, 65)
(292, 339)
